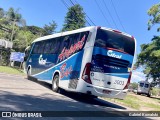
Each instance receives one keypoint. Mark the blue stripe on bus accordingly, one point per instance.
(122, 64)
(102, 51)
(69, 68)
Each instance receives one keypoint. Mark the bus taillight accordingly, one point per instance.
(86, 73)
(133, 37)
(128, 82)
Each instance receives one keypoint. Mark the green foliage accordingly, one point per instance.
(13, 15)
(4, 60)
(23, 39)
(1, 13)
(154, 13)
(50, 29)
(134, 85)
(13, 27)
(155, 91)
(34, 30)
(74, 19)
(139, 102)
(129, 101)
(149, 57)
(9, 70)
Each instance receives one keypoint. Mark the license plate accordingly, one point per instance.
(106, 91)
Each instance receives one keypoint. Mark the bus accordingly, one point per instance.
(96, 61)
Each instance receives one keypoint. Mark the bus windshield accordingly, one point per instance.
(119, 42)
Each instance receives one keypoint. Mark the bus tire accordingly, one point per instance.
(28, 74)
(55, 83)
(149, 94)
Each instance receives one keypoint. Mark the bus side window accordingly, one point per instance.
(72, 41)
(67, 40)
(41, 47)
(62, 44)
(55, 43)
(52, 47)
(75, 38)
(47, 47)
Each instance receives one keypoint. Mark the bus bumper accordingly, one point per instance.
(105, 92)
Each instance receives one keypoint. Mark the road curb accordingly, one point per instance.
(7, 74)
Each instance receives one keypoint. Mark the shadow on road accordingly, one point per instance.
(156, 98)
(14, 101)
(82, 98)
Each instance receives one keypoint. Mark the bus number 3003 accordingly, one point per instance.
(119, 82)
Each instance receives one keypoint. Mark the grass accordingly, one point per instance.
(155, 107)
(129, 101)
(11, 70)
(133, 101)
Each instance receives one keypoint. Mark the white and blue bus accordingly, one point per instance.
(93, 60)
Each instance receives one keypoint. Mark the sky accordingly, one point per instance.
(132, 14)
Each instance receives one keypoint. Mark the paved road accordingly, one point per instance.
(19, 94)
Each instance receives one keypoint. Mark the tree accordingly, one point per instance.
(134, 85)
(1, 13)
(154, 13)
(38, 31)
(14, 18)
(50, 29)
(12, 28)
(4, 28)
(23, 39)
(74, 19)
(149, 56)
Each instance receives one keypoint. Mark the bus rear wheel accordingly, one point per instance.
(55, 83)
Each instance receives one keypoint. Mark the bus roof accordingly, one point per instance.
(63, 33)
(76, 31)
(113, 30)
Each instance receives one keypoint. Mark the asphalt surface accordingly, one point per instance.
(19, 94)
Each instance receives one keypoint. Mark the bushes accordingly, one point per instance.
(155, 91)
(4, 57)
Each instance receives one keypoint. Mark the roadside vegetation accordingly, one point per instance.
(11, 70)
(13, 28)
(155, 91)
(138, 102)
(149, 56)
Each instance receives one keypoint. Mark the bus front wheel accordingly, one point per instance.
(28, 73)
(55, 83)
